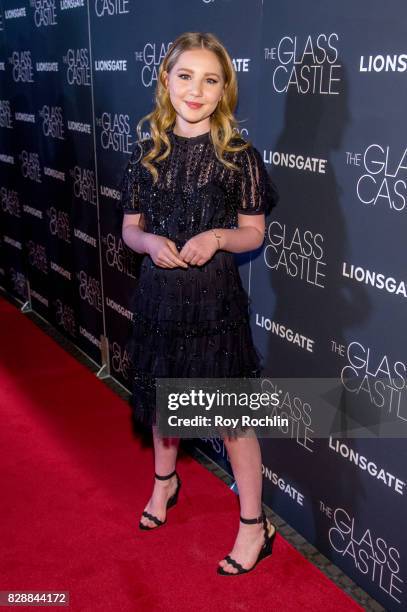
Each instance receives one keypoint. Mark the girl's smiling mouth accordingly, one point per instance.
(193, 104)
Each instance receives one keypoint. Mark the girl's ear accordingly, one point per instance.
(165, 78)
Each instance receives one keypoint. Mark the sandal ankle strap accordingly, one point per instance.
(165, 477)
(252, 521)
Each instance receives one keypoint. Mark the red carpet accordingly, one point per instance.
(74, 481)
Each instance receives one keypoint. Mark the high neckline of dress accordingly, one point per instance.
(201, 138)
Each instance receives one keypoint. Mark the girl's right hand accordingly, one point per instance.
(164, 252)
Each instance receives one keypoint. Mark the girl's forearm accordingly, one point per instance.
(135, 238)
(239, 240)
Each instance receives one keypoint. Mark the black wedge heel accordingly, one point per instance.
(170, 503)
(266, 550)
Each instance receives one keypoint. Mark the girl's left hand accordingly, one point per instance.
(199, 249)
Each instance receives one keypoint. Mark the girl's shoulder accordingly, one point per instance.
(143, 145)
(238, 141)
(139, 149)
(248, 154)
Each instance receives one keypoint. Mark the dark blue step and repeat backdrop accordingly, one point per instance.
(322, 96)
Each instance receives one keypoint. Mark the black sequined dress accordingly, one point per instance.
(191, 323)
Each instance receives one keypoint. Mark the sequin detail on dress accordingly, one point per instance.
(191, 322)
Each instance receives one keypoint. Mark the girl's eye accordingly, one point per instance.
(212, 81)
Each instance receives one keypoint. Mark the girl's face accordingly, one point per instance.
(195, 84)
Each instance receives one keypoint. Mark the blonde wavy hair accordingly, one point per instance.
(223, 123)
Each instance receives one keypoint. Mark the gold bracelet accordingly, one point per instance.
(217, 237)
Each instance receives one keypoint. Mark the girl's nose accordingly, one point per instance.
(196, 88)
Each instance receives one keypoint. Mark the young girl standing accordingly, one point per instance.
(193, 195)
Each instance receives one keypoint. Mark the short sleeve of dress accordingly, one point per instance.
(130, 185)
(257, 192)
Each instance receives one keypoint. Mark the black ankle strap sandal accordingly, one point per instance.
(170, 503)
(165, 477)
(252, 521)
(265, 551)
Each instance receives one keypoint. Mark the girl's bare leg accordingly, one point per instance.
(165, 457)
(245, 458)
